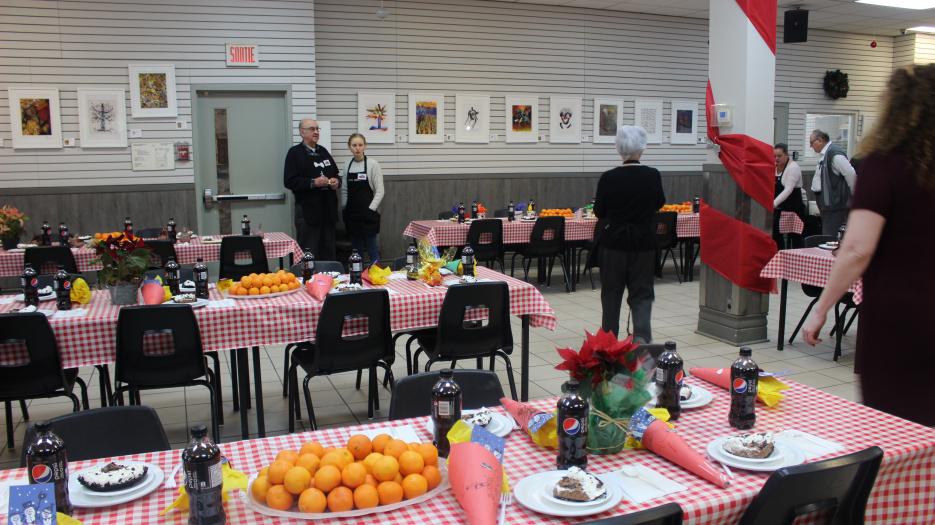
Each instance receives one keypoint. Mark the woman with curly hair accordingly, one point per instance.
(888, 242)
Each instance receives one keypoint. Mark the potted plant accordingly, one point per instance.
(124, 259)
(12, 222)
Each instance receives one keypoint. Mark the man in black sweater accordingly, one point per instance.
(312, 175)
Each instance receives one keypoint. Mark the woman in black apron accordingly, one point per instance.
(791, 199)
(362, 191)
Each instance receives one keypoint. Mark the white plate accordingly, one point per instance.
(128, 490)
(51, 297)
(499, 425)
(549, 496)
(828, 246)
(265, 296)
(530, 493)
(699, 398)
(47, 313)
(784, 455)
(82, 497)
(199, 303)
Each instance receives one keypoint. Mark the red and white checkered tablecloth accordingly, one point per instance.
(689, 225)
(90, 339)
(790, 223)
(277, 245)
(904, 492)
(808, 266)
(449, 233)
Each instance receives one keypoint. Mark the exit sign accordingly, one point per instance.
(243, 55)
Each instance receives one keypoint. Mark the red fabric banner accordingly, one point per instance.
(736, 250)
(762, 14)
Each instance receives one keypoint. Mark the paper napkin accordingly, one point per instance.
(7, 299)
(812, 445)
(68, 314)
(223, 303)
(397, 276)
(647, 485)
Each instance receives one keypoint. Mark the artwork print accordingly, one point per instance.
(152, 90)
(521, 118)
(426, 117)
(472, 119)
(35, 116)
(565, 120)
(684, 122)
(376, 117)
(32, 504)
(35, 120)
(648, 115)
(608, 116)
(102, 118)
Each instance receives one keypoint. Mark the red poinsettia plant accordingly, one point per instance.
(124, 258)
(601, 357)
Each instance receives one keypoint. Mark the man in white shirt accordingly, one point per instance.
(833, 182)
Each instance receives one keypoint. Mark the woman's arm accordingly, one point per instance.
(376, 183)
(863, 235)
(600, 204)
(343, 178)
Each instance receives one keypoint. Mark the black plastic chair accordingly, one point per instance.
(541, 248)
(159, 346)
(107, 432)
(412, 396)
(46, 259)
(840, 486)
(586, 247)
(668, 514)
(456, 338)
(232, 245)
(502, 212)
(486, 239)
(445, 215)
(162, 250)
(148, 233)
(332, 352)
(667, 240)
(398, 263)
(33, 367)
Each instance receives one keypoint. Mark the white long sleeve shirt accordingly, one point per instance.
(374, 178)
(791, 179)
(841, 165)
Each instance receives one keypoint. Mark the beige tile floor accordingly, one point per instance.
(337, 403)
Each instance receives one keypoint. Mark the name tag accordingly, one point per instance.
(361, 176)
(327, 162)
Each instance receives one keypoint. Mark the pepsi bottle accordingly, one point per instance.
(446, 409)
(128, 226)
(47, 462)
(511, 211)
(201, 463)
(173, 275)
(467, 261)
(474, 209)
(46, 239)
(744, 375)
(356, 265)
(308, 265)
(61, 283)
(171, 231)
(460, 212)
(412, 262)
(245, 225)
(30, 284)
(63, 234)
(572, 428)
(696, 204)
(201, 279)
(669, 378)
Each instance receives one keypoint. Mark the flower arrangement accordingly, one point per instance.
(12, 223)
(124, 258)
(614, 379)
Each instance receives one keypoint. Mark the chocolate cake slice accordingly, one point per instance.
(578, 486)
(113, 477)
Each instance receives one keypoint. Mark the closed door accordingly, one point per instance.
(241, 139)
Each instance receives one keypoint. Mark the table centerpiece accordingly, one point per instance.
(124, 258)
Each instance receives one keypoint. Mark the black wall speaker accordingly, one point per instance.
(795, 29)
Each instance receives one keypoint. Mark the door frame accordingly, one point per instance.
(285, 89)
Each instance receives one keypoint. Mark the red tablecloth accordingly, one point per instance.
(90, 339)
(277, 245)
(808, 266)
(689, 225)
(448, 233)
(904, 492)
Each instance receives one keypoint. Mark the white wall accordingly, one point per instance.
(69, 44)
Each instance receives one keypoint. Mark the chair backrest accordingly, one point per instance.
(445, 215)
(364, 310)
(234, 244)
(502, 212)
(840, 485)
(46, 259)
(486, 238)
(148, 233)
(27, 341)
(398, 263)
(666, 235)
(650, 350)
(106, 432)
(158, 345)
(329, 266)
(412, 395)
(668, 514)
(458, 336)
(162, 250)
(813, 241)
(547, 237)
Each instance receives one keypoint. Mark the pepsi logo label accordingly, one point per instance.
(680, 376)
(740, 385)
(41, 473)
(571, 426)
(67, 284)
(34, 282)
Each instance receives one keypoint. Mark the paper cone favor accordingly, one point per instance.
(476, 477)
(540, 425)
(768, 388)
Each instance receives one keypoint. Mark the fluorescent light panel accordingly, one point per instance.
(922, 29)
(904, 4)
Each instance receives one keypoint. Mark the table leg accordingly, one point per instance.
(258, 393)
(690, 263)
(281, 262)
(783, 292)
(244, 390)
(524, 360)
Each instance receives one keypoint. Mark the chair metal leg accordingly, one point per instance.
(308, 403)
(103, 379)
(480, 363)
(371, 392)
(509, 372)
(294, 377)
(292, 413)
(675, 262)
(847, 327)
(75, 404)
(24, 409)
(84, 393)
(9, 423)
(513, 265)
(217, 382)
(428, 364)
(802, 320)
(235, 383)
(285, 369)
(360, 374)
(526, 263)
(565, 271)
(415, 359)
(492, 362)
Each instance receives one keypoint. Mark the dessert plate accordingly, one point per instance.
(199, 303)
(699, 398)
(535, 493)
(784, 455)
(42, 298)
(500, 425)
(81, 496)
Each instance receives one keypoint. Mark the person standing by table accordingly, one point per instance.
(312, 175)
(627, 199)
(788, 196)
(361, 195)
(888, 242)
(833, 182)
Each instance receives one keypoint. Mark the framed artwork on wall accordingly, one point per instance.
(648, 115)
(152, 91)
(565, 120)
(35, 117)
(521, 114)
(426, 118)
(608, 116)
(376, 116)
(684, 122)
(102, 118)
(472, 119)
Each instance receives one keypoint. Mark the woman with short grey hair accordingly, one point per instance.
(627, 199)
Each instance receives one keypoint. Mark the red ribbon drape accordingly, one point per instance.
(762, 14)
(736, 250)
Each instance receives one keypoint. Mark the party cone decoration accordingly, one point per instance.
(666, 442)
(475, 476)
(768, 388)
(153, 293)
(540, 425)
(715, 376)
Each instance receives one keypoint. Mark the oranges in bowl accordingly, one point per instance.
(363, 474)
(265, 284)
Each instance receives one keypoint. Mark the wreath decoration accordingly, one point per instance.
(836, 85)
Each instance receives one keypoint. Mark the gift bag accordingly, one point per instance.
(319, 286)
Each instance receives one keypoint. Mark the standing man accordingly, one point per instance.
(833, 182)
(310, 172)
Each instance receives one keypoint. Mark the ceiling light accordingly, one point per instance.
(904, 4)
(922, 29)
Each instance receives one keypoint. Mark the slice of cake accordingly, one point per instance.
(756, 446)
(481, 417)
(112, 477)
(185, 298)
(685, 393)
(577, 485)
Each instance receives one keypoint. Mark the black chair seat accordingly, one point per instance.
(231, 267)
(667, 241)
(485, 236)
(412, 395)
(668, 514)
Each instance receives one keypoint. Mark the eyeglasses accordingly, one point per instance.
(311, 129)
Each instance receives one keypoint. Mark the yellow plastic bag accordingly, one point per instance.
(80, 291)
(64, 519)
(769, 389)
(378, 275)
(232, 480)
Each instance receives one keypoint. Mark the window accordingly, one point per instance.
(840, 127)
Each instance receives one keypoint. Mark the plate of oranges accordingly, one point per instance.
(264, 285)
(363, 477)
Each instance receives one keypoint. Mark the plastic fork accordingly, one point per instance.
(170, 482)
(505, 499)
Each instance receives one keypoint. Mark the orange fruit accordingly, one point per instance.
(309, 462)
(277, 471)
(429, 453)
(277, 497)
(333, 458)
(385, 468)
(395, 447)
(289, 455)
(366, 496)
(264, 290)
(327, 478)
(346, 456)
(432, 475)
(360, 446)
(414, 446)
(313, 447)
(293, 285)
(263, 471)
(297, 480)
(380, 441)
(370, 480)
(415, 485)
(410, 463)
(371, 460)
(390, 492)
(354, 475)
(275, 280)
(246, 282)
(267, 281)
(254, 291)
(259, 488)
(398, 478)
(312, 500)
(253, 275)
(340, 499)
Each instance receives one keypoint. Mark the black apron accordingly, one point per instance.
(793, 203)
(358, 217)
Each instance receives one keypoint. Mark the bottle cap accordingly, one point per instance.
(199, 431)
(43, 426)
(571, 384)
(446, 373)
(746, 352)
(670, 345)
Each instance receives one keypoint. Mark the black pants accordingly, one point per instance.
(831, 221)
(631, 271)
